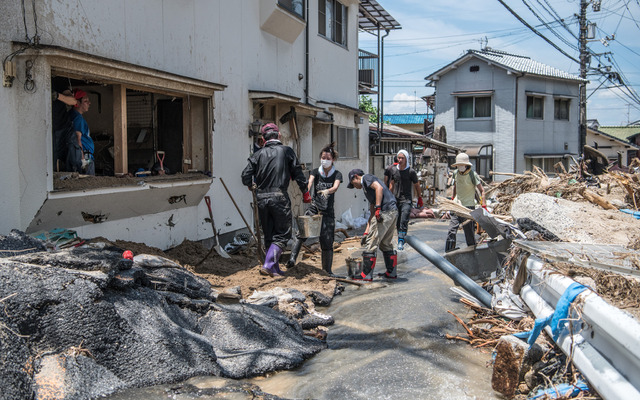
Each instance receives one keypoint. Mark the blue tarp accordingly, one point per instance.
(636, 214)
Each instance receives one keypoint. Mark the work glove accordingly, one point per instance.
(378, 215)
(364, 239)
(306, 197)
(420, 204)
(324, 193)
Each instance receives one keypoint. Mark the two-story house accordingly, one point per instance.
(188, 82)
(525, 110)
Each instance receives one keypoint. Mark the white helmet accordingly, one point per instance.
(462, 159)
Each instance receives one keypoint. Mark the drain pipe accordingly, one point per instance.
(450, 270)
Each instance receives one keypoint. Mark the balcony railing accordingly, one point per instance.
(367, 72)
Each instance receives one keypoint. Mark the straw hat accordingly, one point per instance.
(462, 159)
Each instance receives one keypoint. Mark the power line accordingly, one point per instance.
(534, 30)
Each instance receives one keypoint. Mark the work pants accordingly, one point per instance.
(404, 211)
(381, 233)
(274, 210)
(468, 228)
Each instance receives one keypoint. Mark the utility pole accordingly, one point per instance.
(584, 58)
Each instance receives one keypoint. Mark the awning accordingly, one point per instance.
(272, 97)
(372, 16)
(473, 93)
(549, 155)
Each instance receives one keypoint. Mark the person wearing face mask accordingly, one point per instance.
(324, 181)
(466, 182)
(402, 179)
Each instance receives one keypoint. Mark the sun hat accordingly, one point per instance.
(462, 159)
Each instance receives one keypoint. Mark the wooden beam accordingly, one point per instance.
(120, 130)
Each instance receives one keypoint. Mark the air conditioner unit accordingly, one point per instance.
(367, 77)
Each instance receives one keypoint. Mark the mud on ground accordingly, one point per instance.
(242, 269)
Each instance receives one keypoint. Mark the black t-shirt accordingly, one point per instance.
(388, 200)
(321, 183)
(403, 182)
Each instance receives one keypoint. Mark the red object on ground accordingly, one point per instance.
(128, 254)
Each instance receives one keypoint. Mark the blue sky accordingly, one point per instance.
(436, 32)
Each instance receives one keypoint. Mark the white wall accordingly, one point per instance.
(215, 41)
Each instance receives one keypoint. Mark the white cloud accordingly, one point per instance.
(404, 103)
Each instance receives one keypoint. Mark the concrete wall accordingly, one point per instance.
(215, 41)
(546, 136)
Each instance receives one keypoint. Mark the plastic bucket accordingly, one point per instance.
(354, 267)
(309, 225)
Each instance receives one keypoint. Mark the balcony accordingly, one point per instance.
(367, 72)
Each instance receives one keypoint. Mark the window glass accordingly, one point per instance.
(561, 109)
(294, 6)
(348, 142)
(535, 107)
(483, 107)
(332, 21)
(465, 107)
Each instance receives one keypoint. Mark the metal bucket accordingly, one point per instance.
(309, 225)
(354, 266)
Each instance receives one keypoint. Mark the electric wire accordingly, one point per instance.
(534, 30)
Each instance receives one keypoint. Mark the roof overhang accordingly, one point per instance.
(273, 97)
(69, 62)
(372, 16)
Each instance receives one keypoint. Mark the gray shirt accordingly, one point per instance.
(388, 199)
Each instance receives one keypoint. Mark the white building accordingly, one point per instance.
(184, 77)
(527, 111)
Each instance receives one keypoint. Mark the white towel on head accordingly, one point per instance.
(406, 156)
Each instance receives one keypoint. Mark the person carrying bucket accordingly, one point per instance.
(325, 181)
(271, 168)
(465, 183)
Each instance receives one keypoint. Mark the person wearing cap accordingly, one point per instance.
(80, 153)
(379, 231)
(270, 169)
(466, 181)
(403, 178)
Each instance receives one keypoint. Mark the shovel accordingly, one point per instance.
(216, 245)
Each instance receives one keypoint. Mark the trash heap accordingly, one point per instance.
(567, 291)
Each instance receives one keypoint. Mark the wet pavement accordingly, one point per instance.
(388, 341)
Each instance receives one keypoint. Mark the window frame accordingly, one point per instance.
(533, 114)
(567, 108)
(348, 149)
(197, 121)
(328, 13)
(289, 6)
(474, 108)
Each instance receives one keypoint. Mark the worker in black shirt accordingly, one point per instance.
(379, 231)
(402, 179)
(325, 182)
(270, 169)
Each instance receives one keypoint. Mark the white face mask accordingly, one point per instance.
(462, 168)
(326, 163)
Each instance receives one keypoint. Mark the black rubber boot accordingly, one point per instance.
(391, 263)
(449, 245)
(295, 249)
(368, 264)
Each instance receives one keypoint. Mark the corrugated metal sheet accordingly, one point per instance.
(406, 119)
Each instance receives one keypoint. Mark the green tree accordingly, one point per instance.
(366, 105)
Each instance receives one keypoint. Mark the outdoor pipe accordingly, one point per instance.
(452, 272)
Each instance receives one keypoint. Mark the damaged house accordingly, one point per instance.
(187, 84)
(524, 112)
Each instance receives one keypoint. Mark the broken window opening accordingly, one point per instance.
(137, 131)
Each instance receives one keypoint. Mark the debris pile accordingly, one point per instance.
(88, 321)
(580, 226)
